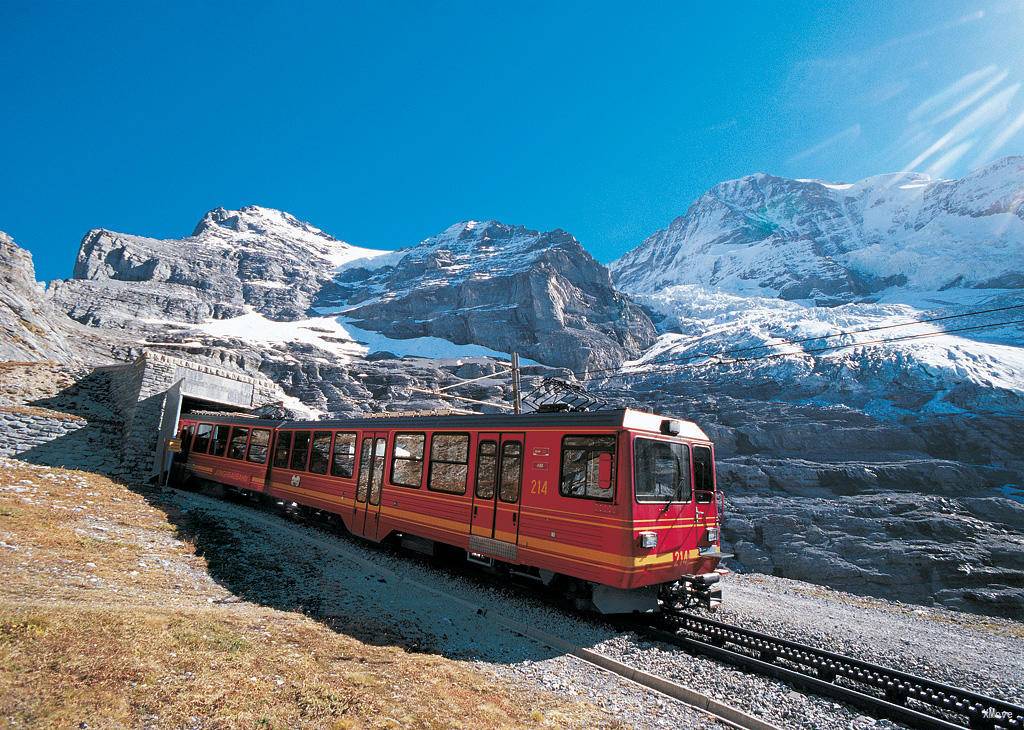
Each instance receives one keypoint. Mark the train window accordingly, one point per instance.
(581, 467)
(486, 469)
(344, 455)
(220, 440)
(661, 471)
(703, 474)
(449, 462)
(239, 438)
(321, 453)
(407, 461)
(258, 443)
(300, 450)
(281, 449)
(511, 471)
(202, 441)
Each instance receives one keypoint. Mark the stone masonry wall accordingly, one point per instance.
(143, 395)
(23, 429)
(124, 382)
(127, 422)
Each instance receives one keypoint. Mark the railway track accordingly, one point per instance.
(881, 691)
(324, 534)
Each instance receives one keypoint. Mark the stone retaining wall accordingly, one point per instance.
(129, 402)
(22, 429)
(138, 392)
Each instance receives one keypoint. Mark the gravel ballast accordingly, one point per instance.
(929, 642)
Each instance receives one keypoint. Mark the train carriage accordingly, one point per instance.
(619, 506)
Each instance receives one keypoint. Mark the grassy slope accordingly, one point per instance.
(107, 619)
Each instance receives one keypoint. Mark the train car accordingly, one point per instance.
(620, 508)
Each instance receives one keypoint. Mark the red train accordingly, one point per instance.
(619, 507)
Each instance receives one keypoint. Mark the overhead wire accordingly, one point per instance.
(787, 342)
(773, 355)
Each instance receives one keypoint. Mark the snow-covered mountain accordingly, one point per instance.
(841, 242)
(506, 287)
(759, 262)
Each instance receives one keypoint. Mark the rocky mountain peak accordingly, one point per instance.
(517, 289)
(492, 247)
(257, 220)
(255, 257)
(832, 243)
(30, 328)
(16, 260)
(466, 228)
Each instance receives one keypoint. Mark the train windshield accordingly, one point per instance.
(662, 471)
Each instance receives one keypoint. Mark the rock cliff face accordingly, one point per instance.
(505, 287)
(31, 328)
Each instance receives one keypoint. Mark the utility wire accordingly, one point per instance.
(732, 361)
(784, 342)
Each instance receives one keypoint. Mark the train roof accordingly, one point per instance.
(231, 418)
(622, 418)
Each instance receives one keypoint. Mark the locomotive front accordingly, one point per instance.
(676, 511)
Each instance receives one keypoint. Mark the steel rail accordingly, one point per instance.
(801, 665)
(885, 692)
(322, 534)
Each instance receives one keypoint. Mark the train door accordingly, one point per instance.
(366, 511)
(178, 472)
(269, 459)
(497, 486)
(706, 515)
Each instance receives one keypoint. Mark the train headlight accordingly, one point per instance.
(712, 535)
(648, 540)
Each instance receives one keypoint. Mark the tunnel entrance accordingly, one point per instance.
(190, 404)
(152, 392)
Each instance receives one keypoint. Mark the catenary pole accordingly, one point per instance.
(517, 399)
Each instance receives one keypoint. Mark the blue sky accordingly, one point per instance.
(383, 123)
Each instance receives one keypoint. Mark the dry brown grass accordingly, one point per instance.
(98, 626)
(42, 412)
(22, 382)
